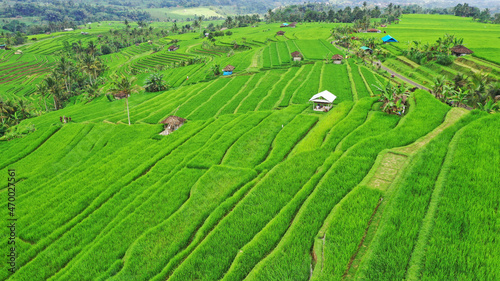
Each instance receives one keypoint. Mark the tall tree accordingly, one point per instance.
(123, 87)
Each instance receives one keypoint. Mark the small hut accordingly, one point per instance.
(2, 47)
(337, 59)
(18, 52)
(366, 49)
(284, 24)
(68, 29)
(389, 39)
(460, 50)
(171, 124)
(173, 48)
(293, 24)
(373, 30)
(228, 70)
(281, 33)
(323, 101)
(297, 56)
(121, 95)
(383, 25)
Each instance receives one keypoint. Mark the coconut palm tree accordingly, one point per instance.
(41, 91)
(123, 87)
(155, 83)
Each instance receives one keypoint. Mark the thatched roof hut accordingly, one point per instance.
(121, 95)
(461, 50)
(229, 68)
(281, 32)
(373, 30)
(173, 121)
(173, 48)
(337, 59)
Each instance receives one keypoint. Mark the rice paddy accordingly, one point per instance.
(256, 185)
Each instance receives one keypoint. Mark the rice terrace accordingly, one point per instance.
(249, 141)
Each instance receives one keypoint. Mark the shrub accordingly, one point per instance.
(444, 60)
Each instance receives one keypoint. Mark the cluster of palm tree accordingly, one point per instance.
(393, 98)
(72, 76)
(439, 51)
(155, 83)
(14, 111)
(477, 91)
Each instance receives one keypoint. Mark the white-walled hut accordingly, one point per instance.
(323, 101)
(172, 123)
(337, 59)
(296, 56)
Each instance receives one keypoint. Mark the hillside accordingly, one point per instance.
(256, 185)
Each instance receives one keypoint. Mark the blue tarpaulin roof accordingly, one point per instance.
(389, 38)
(285, 23)
(365, 48)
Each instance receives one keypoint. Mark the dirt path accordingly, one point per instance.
(401, 76)
(411, 82)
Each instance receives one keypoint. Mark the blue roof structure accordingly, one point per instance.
(388, 38)
(285, 23)
(365, 48)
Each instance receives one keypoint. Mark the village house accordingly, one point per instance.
(173, 48)
(297, 56)
(280, 33)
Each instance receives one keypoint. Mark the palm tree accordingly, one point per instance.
(55, 88)
(123, 87)
(87, 65)
(155, 83)
(65, 68)
(92, 48)
(41, 91)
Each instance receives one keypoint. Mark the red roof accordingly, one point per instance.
(296, 54)
(373, 30)
(337, 57)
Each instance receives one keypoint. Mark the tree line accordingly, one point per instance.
(67, 11)
(321, 12)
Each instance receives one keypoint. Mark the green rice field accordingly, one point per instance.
(255, 185)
